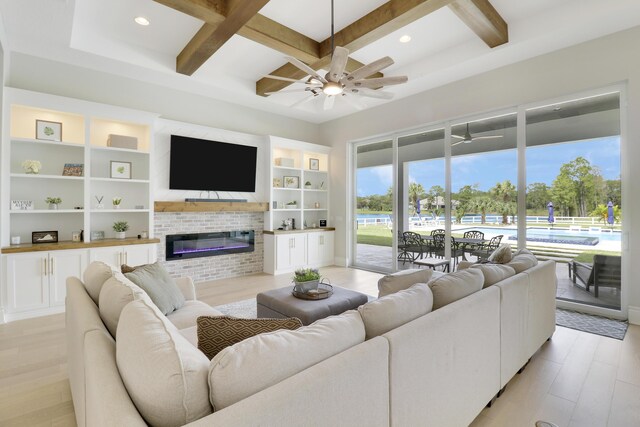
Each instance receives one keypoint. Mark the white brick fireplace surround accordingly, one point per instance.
(213, 267)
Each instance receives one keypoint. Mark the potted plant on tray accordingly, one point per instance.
(120, 227)
(116, 202)
(53, 202)
(306, 279)
(307, 184)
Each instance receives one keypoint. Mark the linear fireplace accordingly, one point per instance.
(183, 246)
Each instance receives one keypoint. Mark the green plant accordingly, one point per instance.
(53, 200)
(308, 183)
(116, 201)
(306, 275)
(120, 226)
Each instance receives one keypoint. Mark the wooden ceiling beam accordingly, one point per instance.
(483, 19)
(212, 37)
(210, 11)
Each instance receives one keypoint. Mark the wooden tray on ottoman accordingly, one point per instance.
(324, 291)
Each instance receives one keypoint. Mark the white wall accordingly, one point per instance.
(594, 64)
(43, 75)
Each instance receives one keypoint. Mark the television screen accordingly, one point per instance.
(198, 164)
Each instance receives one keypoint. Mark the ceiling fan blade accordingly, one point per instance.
(328, 102)
(338, 62)
(457, 136)
(351, 100)
(286, 79)
(308, 89)
(486, 137)
(378, 82)
(302, 101)
(304, 67)
(456, 143)
(367, 70)
(370, 93)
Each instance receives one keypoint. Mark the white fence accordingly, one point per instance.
(477, 219)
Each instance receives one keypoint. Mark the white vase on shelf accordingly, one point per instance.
(120, 234)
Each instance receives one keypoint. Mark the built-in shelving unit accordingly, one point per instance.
(85, 130)
(293, 165)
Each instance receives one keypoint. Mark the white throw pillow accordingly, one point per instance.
(387, 313)
(116, 293)
(501, 255)
(94, 277)
(402, 280)
(165, 375)
(454, 286)
(493, 273)
(259, 362)
(523, 260)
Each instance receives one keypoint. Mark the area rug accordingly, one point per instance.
(593, 324)
(245, 308)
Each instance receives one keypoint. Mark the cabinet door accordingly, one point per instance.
(314, 256)
(63, 264)
(111, 255)
(284, 245)
(299, 250)
(139, 254)
(326, 248)
(27, 279)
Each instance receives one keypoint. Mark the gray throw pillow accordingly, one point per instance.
(160, 287)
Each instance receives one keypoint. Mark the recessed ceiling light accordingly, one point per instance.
(141, 20)
(405, 39)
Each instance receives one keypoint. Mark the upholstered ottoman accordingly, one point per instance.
(280, 303)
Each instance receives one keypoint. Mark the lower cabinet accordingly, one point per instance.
(130, 254)
(37, 280)
(285, 252)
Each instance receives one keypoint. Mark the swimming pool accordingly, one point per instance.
(551, 235)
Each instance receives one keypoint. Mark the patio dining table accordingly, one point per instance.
(462, 243)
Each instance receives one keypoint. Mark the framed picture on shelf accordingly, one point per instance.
(73, 169)
(277, 183)
(314, 164)
(49, 131)
(22, 205)
(97, 235)
(291, 182)
(120, 170)
(44, 237)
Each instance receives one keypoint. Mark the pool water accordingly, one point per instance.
(551, 235)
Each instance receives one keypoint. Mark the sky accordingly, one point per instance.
(486, 169)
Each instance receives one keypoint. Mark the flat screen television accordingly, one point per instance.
(199, 164)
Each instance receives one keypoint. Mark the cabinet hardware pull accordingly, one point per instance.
(44, 264)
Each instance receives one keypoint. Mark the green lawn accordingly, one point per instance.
(587, 256)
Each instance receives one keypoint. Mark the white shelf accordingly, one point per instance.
(288, 189)
(315, 189)
(286, 168)
(40, 176)
(42, 141)
(47, 211)
(119, 180)
(285, 210)
(118, 210)
(125, 150)
(314, 171)
(314, 209)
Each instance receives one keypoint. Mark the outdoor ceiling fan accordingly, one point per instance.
(467, 138)
(338, 82)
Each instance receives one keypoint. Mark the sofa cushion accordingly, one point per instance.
(454, 286)
(402, 280)
(164, 374)
(160, 287)
(117, 292)
(259, 362)
(187, 315)
(493, 273)
(501, 255)
(523, 260)
(94, 277)
(219, 332)
(388, 312)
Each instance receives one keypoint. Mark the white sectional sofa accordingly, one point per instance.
(394, 362)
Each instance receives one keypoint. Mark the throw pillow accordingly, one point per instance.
(501, 255)
(116, 293)
(402, 280)
(455, 286)
(523, 260)
(493, 273)
(94, 277)
(128, 269)
(160, 287)
(216, 333)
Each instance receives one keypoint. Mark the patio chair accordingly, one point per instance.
(413, 247)
(471, 234)
(604, 272)
(483, 251)
(403, 254)
(437, 248)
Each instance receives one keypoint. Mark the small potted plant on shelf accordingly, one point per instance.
(53, 202)
(116, 202)
(306, 279)
(120, 227)
(32, 166)
(292, 205)
(307, 184)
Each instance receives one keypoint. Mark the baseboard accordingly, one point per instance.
(634, 315)
(340, 262)
(10, 317)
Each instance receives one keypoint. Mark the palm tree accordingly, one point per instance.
(505, 193)
(482, 205)
(416, 192)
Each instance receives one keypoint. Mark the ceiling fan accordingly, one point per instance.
(338, 82)
(467, 138)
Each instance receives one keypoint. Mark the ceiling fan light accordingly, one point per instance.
(332, 88)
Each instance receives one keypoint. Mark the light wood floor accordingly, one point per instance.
(576, 379)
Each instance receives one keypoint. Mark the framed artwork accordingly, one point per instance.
(22, 205)
(120, 170)
(97, 235)
(277, 183)
(44, 237)
(49, 131)
(323, 223)
(314, 164)
(73, 169)
(291, 182)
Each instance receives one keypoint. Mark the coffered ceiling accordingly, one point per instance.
(242, 41)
